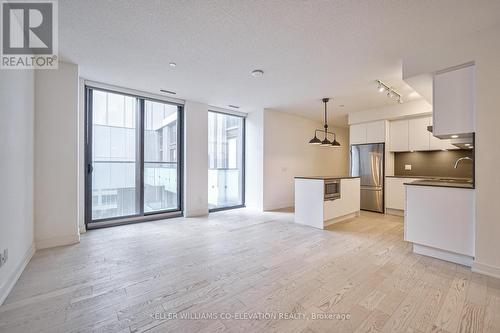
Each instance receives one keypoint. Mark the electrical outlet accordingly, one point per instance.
(4, 257)
(407, 166)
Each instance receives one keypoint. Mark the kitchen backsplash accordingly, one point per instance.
(433, 163)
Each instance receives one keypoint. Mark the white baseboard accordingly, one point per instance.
(341, 218)
(196, 213)
(443, 255)
(6, 288)
(57, 241)
(283, 205)
(397, 212)
(486, 269)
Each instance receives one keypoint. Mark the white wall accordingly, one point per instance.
(413, 108)
(195, 159)
(254, 160)
(483, 48)
(16, 173)
(56, 156)
(287, 154)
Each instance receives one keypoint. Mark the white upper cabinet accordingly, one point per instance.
(437, 143)
(398, 135)
(454, 99)
(357, 134)
(418, 134)
(373, 132)
(412, 135)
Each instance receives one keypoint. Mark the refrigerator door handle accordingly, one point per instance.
(372, 188)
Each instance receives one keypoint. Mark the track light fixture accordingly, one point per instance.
(325, 142)
(391, 93)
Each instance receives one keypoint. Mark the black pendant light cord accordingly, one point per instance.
(325, 100)
(326, 120)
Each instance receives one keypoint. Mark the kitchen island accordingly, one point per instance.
(318, 203)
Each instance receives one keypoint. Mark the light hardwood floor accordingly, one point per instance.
(241, 262)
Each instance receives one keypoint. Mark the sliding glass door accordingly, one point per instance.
(114, 158)
(133, 158)
(160, 157)
(226, 174)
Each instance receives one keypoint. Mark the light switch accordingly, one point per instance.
(407, 166)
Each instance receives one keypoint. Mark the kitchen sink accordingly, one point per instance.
(453, 180)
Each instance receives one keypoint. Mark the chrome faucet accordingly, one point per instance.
(461, 159)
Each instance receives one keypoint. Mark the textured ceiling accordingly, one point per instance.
(308, 49)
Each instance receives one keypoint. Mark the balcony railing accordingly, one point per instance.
(224, 187)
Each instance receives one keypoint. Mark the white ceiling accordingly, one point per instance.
(308, 49)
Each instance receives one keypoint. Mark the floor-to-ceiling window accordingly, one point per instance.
(133, 148)
(226, 151)
(160, 157)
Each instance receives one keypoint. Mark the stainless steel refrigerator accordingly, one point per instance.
(367, 162)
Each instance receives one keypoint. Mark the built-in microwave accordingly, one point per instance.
(332, 189)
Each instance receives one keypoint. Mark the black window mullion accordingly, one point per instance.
(180, 156)
(88, 156)
(139, 169)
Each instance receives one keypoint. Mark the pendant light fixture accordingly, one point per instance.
(325, 142)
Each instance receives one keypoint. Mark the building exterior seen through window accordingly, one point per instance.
(225, 160)
(116, 160)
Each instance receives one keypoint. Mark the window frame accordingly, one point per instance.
(243, 163)
(141, 216)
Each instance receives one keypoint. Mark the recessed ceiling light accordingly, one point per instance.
(471, 147)
(172, 64)
(454, 136)
(257, 73)
(444, 149)
(168, 91)
(467, 144)
(233, 106)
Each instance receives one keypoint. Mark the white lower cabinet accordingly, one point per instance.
(439, 221)
(395, 192)
(312, 210)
